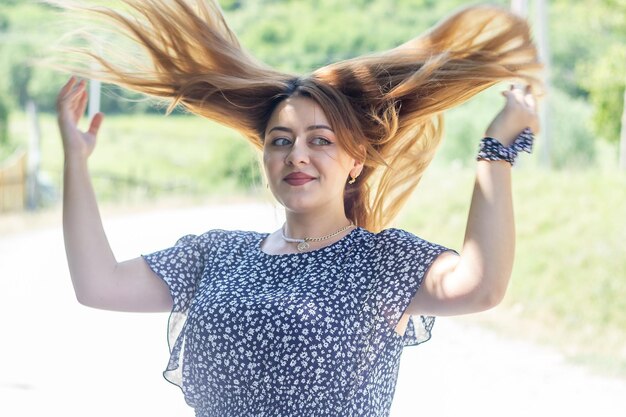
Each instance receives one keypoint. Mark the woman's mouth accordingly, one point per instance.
(298, 178)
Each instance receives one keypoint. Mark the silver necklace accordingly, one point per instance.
(303, 244)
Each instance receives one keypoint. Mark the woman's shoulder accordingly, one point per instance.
(381, 236)
(401, 239)
(396, 234)
(216, 238)
(383, 240)
(229, 236)
(231, 233)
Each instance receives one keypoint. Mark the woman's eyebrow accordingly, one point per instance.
(312, 127)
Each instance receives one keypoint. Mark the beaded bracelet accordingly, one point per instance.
(492, 150)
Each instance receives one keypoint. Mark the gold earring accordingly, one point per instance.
(352, 180)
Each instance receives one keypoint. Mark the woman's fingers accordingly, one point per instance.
(71, 91)
(512, 93)
(523, 96)
(67, 87)
(530, 101)
(69, 94)
(530, 98)
(78, 91)
(63, 94)
(530, 104)
(518, 93)
(519, 112)
(81, 106)
(74, 94)
(72, 100)
(96, 121)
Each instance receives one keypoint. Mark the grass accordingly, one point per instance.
(568, 288)
(151, 156)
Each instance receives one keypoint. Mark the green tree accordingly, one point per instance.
(605, 80)
(4, 122)
(603, 75)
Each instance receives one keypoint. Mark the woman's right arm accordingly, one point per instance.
(99, 280)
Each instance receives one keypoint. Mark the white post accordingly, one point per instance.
(94, 91)
(94, 98)
(34, 158)
(520, 7)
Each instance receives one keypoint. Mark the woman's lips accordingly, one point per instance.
(298, 179)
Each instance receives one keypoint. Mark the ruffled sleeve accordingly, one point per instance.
(403, 260)
(181, 267)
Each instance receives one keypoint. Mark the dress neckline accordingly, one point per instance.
(332, 246)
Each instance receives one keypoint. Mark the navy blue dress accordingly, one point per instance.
(305, 334)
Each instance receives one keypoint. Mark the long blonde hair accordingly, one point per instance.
(389, 102)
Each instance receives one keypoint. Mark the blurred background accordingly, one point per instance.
(568, 290)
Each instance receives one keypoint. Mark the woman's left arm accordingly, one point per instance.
(477, 279)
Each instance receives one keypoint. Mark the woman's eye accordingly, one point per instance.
(316, 141)
(280, 141)
(322, 141)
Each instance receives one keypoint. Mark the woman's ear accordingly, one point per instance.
(358, 164)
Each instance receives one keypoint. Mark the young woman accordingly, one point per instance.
(309, 320)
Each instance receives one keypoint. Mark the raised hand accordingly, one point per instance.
(519, 112)
(71, 104)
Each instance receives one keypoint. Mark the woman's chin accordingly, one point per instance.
(299, 207)
(301, 200)
(300, 203)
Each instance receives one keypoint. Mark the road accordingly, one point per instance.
(60, 358)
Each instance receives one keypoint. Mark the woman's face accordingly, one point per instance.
(305, 165)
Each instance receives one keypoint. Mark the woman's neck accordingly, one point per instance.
(313, 225)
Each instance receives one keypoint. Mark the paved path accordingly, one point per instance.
(59, 358)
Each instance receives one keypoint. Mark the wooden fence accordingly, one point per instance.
(13, 174)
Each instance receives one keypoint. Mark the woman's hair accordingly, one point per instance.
(389, 102)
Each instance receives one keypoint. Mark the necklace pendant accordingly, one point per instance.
(302, 246)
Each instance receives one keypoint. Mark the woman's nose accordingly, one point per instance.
(298, 154)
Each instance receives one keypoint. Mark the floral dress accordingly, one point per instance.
(304, 334)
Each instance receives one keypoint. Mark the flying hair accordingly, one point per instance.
(389, 103)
